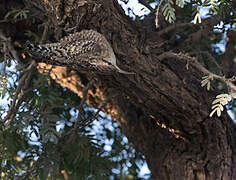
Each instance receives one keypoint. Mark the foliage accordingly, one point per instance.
(169, 12)
(216, 8)
(221, 101)
(207, 81)
(3, 85)
(42, 140)
(17, 14)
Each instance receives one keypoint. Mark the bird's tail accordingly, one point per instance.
(38, 51)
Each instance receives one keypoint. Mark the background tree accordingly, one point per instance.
(162, 109)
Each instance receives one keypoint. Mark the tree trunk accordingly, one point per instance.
(162, 109)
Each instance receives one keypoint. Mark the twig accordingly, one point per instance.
(147, 5)
(11, 112)
(80, 107)
(18, 20)
(174, 27)
(232, 79)
(197, 65)
(45, 32)
(5, 58)
(9, 46)
(5, 50)
(231, 4)
(91, 119)
(34, 166)
(210, 57)
(157, 13)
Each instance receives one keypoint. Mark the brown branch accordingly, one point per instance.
(5, 58)
(5, 50)
(12, 111)
(210, 57)
(91, 119)
(80, 107)
(45, 32)
(34, 166)
(9, 46)
(18, 20)
(147, 5)
(232, 79)
(197, 65)
(174, 27)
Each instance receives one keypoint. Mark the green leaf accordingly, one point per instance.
(234, 95)
(222, 95)
(218, 111)
(180, 3)
(220, 101)
(169, 12)
(208, 85)
(171, 2)
(212, 112)
(197, 18)
(216, 101)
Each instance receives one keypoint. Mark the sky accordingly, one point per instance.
(136, 8)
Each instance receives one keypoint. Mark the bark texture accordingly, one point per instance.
(162, 109)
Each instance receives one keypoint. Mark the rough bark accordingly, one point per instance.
(162, 109)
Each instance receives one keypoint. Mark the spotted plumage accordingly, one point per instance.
(86, 50)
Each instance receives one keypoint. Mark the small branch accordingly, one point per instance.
(232, 79)
(18, 20)
(157, 13)
(210, 57)
(34, 166)
(231, 4)
(5, 58)
(147, 5)
(89, 120)
(80, 108)
(11, 112)
(45, 32)
(9, 46)
(80, 123)
(5, 41)
(197, 65)
(174, 27)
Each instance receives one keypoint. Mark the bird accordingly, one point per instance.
(86, 50)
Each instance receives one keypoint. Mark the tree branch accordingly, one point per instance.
(89, 120)
(147, 5)
(197, 65)
(15, 104)
(9, 46)
(211, 58)
(174, 27)
(80, 107)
